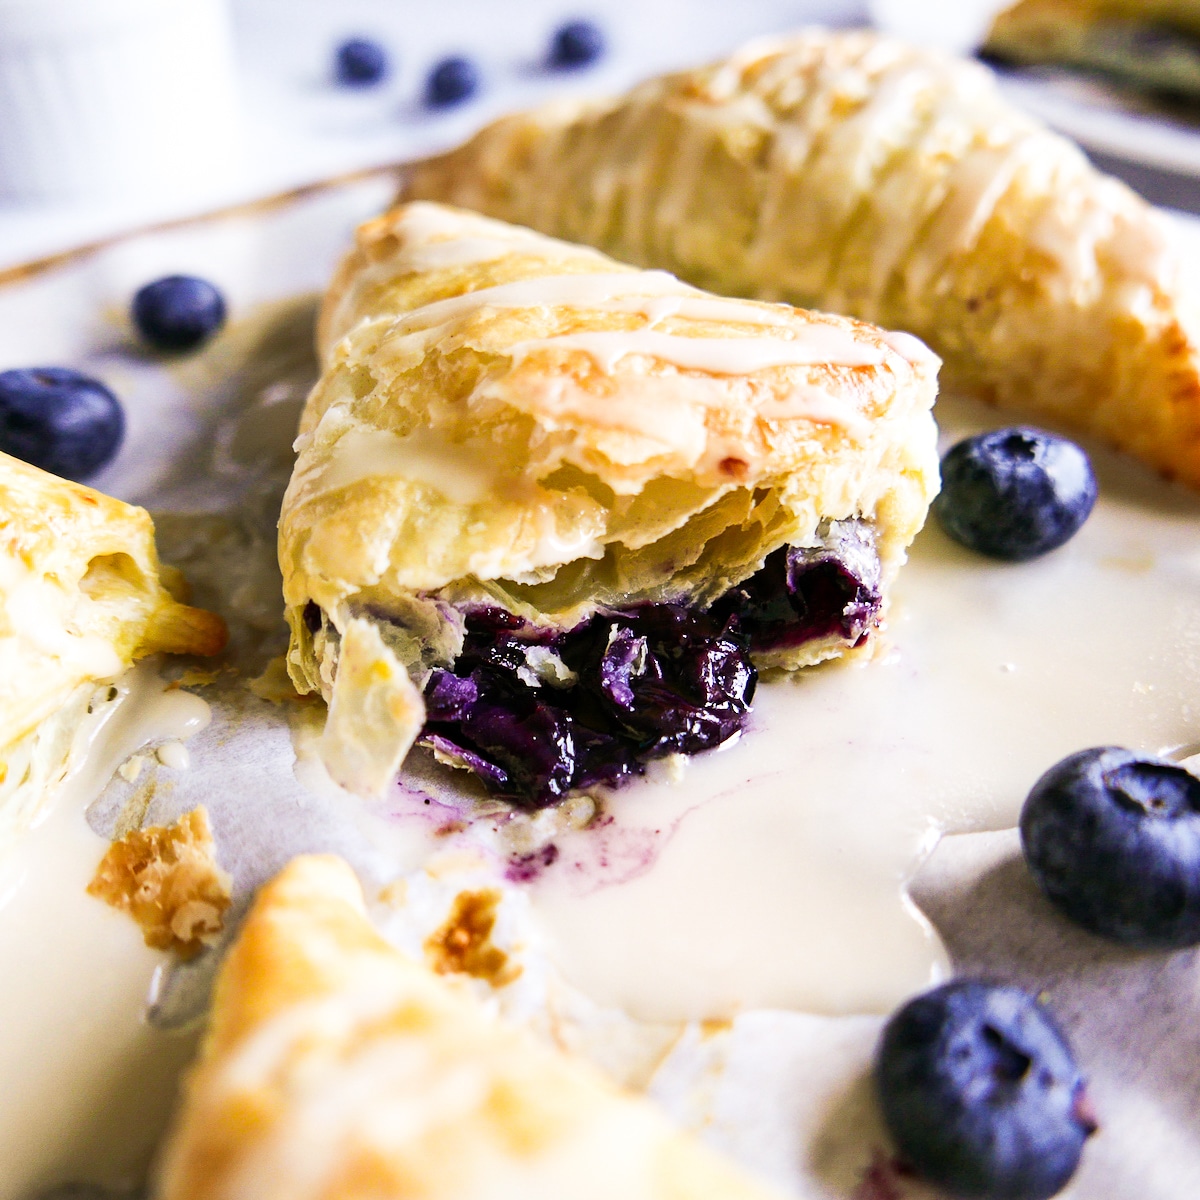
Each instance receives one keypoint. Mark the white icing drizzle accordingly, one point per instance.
(175, 755)
(911, 348)
(975, 187)
(421, 456)
(655, 294)
(806, 403)
(576, 290)
(434, 238)
(818, 345)
(96, 1080)
(460, 252)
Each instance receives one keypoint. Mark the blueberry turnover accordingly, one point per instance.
(845, 171)
(335, 1065)
(551, 513)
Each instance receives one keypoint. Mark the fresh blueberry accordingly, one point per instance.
(360, 62)
(1113, 839)
(179, 312)
(451, 81)
(1015, 493)
(981, 1093)
(59, 420)
(576, 44)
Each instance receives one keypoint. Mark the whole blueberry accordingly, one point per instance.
(451, 81)
(981, 1093)
(179, 312)
(576, 44)
(1113, 839)
(1015, 493)
(59, 420)
(360, 62)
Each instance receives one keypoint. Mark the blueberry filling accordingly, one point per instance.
(537, 713)
(807, 593)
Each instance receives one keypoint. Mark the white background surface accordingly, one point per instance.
(300, 127)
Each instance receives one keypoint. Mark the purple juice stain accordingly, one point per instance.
(524, 868)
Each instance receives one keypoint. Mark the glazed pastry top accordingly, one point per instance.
(507, 417)
(858, 174)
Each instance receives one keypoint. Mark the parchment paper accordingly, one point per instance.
(785, 1093)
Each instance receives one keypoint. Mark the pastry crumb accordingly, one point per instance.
(201, 676)
(275, 684)
(131, 768)
(168, 879)
(395, 893)
(463, 944)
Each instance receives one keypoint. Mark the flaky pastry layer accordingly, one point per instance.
(81, 596)
(338, 1069)
(857, 174)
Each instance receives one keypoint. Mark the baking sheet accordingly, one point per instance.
(784, 1092)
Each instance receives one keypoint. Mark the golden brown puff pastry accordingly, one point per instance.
(857, 174)
(81, 597)
(509, 422)
(1151, 44)
(336, 1069)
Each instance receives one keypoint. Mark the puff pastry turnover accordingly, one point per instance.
(860, 175)
(81, 597)
(582, 487)
(336, 1067)
(1151, 44)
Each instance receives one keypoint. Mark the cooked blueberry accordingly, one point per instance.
(178, 312)
(536, 713)
(981, 1093)
(1113, 839)
(59, 420)
(1015, 493)
(360, 62)
(576, 44)
(452, 81)
(802, 594)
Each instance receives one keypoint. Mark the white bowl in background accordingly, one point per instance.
(112, 99)
(955, 25)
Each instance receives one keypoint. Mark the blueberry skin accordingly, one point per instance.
(179, 312)
(59, 420)
(1016, 493)
(451, 81)
(1113, 839)
(981, 1093)
(360, 62)
(577, 44)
